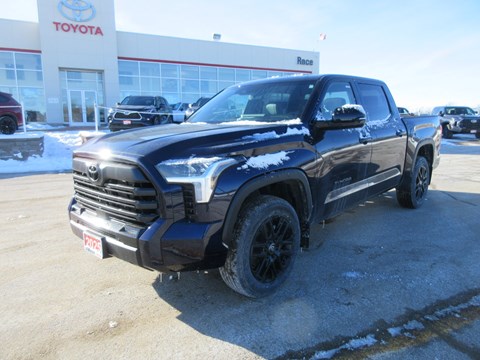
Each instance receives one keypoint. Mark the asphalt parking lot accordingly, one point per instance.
(379, 282)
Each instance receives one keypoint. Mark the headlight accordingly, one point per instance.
(202, 173)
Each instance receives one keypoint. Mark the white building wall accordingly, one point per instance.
(152, 47)
(21, 35)
(65, 46)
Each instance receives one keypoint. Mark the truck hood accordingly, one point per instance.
(134, 108)
(158, 143)
(464, 117)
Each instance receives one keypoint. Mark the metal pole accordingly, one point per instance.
(24, 118)
(96, 116)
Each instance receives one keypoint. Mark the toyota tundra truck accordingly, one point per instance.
(458, 120)
(238, 186)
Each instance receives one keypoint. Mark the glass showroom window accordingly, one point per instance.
(128, 68)
(242, 75)
(150, 69)
(21, 75)
(190, 84)
(259, 74)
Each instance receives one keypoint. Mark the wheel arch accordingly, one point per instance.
(291, 185)
(426, 150)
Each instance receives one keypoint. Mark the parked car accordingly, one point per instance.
(179, 112)
(11, 116)
(458, 120)
(240, 184)
(196, 105)
(404, 112)
(139, 111)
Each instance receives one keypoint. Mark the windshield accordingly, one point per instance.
(262, 102)
(459, 111)
(138, 100)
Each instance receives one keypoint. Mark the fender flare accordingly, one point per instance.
(413, 155)
(290, 175)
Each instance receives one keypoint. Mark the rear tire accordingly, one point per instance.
(413, 190)
(266, 239)
(8, 126)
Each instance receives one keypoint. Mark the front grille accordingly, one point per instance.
(127, 115)
(467, 124)
(121, 192)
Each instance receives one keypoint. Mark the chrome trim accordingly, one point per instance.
(108, 239)
(361, 185)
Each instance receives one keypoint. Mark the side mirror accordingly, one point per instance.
(441, 113)
(344, 117)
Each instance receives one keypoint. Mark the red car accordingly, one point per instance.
(11, 116)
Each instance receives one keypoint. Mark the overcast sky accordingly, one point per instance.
(427, 51)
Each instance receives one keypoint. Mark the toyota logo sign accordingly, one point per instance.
(77, 10)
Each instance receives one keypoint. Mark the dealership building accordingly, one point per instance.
(74, 58)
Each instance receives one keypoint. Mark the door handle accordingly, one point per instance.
(365, 139)
(400, 132)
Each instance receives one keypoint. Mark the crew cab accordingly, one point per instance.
(238, 185)
(458, 120)
(139, 111)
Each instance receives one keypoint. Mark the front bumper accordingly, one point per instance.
(163, 246)
(465, 127)
(115, 125)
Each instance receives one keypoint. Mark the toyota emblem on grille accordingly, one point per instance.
(93, 172)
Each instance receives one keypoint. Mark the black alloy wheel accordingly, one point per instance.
(8, 125)
(412, 192)
(265, 242)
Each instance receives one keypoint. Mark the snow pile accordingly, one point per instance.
(57, 154)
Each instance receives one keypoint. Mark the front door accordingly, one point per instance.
(345, 156)
(81, 106)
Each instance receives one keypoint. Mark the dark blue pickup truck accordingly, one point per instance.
(238, 185)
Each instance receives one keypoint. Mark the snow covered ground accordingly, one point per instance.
(57, 155)
(59, 144)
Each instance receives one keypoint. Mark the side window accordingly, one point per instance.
(337, 95)
(375, 102)
(3, 99)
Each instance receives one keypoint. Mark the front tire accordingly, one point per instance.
(266, 239)
(413, 190)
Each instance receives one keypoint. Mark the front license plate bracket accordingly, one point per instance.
(94, 244)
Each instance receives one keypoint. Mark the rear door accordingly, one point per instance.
(387, 134)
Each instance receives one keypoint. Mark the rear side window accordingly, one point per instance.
(3, 99)
(375, 102)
